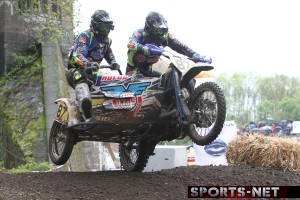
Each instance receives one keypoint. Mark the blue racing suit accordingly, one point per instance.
(139, 62)
(87, 49)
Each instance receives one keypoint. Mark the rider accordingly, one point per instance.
(146, 45)
(90, 47)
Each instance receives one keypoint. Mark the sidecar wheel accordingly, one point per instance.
(61, 143)
(135, 157)
(208, 106)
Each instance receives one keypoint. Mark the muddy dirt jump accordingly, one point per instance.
(165, 184)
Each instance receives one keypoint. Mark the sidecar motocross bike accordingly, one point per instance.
(139, 112)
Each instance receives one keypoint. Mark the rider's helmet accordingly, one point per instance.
(156, 25)
(101, 23)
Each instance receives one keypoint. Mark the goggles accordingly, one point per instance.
(104, 27)
(159, 32)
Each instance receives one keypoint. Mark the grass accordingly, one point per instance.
(28, 167)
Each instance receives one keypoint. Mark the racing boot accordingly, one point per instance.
(83, 96)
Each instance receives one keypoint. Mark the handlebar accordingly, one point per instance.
(169, 54)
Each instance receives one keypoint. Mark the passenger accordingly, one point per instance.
(90, 47)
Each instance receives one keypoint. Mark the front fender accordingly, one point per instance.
(67, 112)
(196, 69)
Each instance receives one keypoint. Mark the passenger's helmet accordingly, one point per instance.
(101, 23)
(156, 25)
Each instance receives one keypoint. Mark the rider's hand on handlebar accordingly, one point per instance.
(94, 66)
(93, 69)
(205, 59)
(151, 49)
(90, 73)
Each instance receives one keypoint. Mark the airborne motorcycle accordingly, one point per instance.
(138, 112)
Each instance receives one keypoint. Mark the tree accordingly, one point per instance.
(240, 91)
(265, 109)
(251, 97)
(290, 108)
(46, 17)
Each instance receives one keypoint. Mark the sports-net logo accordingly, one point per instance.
(243, 191)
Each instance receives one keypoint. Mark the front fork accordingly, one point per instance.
(181, 97)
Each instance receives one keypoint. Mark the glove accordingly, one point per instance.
(93, 69)
(90, 74)
(205, 59)
(150, 49)
(116, 66)
(95, 65)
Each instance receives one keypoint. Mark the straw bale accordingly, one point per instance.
(273, 152)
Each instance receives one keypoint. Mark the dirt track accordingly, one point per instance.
(166, 184)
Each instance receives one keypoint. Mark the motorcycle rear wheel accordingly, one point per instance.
(209, 108)
(134, 158)
(61, 142)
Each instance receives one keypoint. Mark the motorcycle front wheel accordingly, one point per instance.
(208, 107)
(134, 157)
(61, 143)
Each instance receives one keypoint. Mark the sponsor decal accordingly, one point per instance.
(117, 90)
(82, 39)
(62, 114)
(76, 75)
(129, 97)
(216, 148)
(113, 78)
(97, 102)
(137, 34)
(131, 46)
(79, 62)
(104, 118)
(128, 103)
(137, 107)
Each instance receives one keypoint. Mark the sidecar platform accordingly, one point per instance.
(107, 132)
